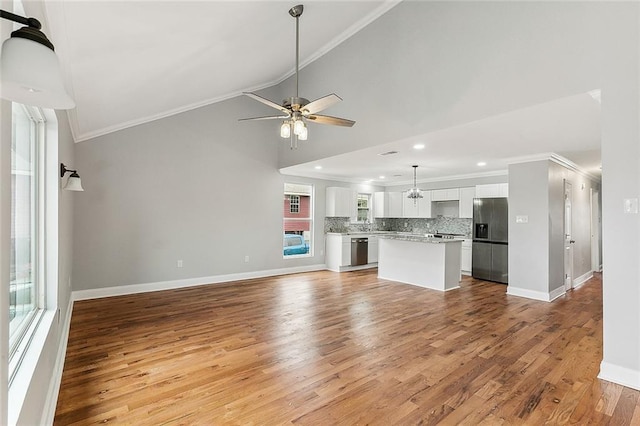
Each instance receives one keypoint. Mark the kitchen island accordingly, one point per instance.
(420, 260)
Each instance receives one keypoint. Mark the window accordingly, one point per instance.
(28, 247)
(294, 204)
(364, 210)
(24, 262)
(297, 220)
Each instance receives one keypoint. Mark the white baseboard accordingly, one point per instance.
(536, 295)
(582, 279)
(49, 409)
(620, 375)
(189, 282)
(554, 294)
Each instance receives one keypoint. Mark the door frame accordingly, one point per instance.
(567, 234)
(595, 231)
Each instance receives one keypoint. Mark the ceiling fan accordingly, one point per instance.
(297, 111)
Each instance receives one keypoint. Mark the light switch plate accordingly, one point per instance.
(522, 219)
(631, 205)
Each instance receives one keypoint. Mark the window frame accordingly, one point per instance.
(289, 189)
(21, 338)
(368, 197)
(293, 197)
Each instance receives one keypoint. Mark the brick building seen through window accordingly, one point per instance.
(297, 215)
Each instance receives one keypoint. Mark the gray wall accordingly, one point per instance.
(199, 187)
(529, 243)
(536, 248)
(580, 227)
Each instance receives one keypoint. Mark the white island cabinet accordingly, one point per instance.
(426, 262)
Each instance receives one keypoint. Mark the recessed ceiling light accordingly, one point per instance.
(368, 181)
(418, 146)
(318, 167)
(482, 164)
(380, 177)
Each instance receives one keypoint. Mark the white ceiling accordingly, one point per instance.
(568, 127)
(130, 62)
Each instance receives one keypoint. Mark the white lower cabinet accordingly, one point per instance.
(338, 251)
(345, 258)
(465, 259)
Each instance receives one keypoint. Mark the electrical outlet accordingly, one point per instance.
(246, 258)
(179, 264)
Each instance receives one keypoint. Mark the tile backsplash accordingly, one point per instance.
(440, 224)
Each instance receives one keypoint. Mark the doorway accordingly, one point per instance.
(568, 240)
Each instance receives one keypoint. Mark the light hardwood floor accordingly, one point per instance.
(326, 348)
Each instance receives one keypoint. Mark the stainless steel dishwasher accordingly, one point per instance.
(359, 251)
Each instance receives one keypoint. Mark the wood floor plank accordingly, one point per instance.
(339, 348)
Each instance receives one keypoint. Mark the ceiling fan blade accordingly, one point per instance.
(320, 104)
(266, 102)
(334, 121)
(268, 117)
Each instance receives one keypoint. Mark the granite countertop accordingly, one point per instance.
(404, 236)
(421, 238)
(363, 233)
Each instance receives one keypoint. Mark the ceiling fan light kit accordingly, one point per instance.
(299, 110)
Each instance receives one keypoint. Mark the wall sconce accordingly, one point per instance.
(29, 67)
(73, 183)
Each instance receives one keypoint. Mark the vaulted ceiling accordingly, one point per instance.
(130, 62)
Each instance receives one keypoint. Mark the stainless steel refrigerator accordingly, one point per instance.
(490, 249)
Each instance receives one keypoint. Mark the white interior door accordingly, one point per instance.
(568, 241)
(595, 230)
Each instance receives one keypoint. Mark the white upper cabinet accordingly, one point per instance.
(340, 202)
(494, 190)
(466, 202)
(450, 194)
(417, 208)
(387, 204)
(424, 204)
